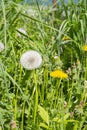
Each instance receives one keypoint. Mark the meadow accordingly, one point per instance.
(43, 66)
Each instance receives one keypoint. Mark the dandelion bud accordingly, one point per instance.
(56, 57)
(68, 71)
(0, 128)
(13, 125)
(74, 66)
(72, 114)
(65, 104)
(82, 104)
(85, 82)
(1, 46)
(65, 38)
(78, 62)
(85, 85)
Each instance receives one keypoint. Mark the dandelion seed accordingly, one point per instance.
(22, 31)
(58, 74)
(31, 60)
(84, 48)
(1, 46)
(65, 38)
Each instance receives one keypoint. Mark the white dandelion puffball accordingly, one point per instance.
(22, 31)
(1, 46)
(31, 60)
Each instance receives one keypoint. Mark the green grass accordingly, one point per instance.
(34, 99)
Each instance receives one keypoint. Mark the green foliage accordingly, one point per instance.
(44, 114)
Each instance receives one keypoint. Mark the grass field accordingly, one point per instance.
(43, 66)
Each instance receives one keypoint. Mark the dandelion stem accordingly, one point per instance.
(86, 68)
(36, 96)
(4, 15)
(15, 109)
(62, 108)
(44, 86)
(25, 99)
(57, 91)
(29, 109)
(71, 91)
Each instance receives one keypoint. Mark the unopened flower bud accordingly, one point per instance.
(13, 125)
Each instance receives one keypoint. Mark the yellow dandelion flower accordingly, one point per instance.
(84, 47)
(58, 74)
(65, 38)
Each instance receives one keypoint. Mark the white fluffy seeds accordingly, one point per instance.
(31, 60)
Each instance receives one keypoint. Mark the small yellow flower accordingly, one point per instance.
(65, 38)
(58, 74)
(84, 47)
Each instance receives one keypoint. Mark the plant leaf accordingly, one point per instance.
(43, 114)
(44, 125)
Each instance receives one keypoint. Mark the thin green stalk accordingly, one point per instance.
(5, 26)
(70, 93)
(16, 96)
(23, 110)
(57, 91)
(86, 68)
(29, 109)
(62, 108)
(25, 100)
(15, 109)
(46, 78)
(44, 86)
(3, 74)
(82, 123)
(36, 96)
(22, 119)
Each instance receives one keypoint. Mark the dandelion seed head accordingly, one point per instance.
(1, 46)
(31, 60)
